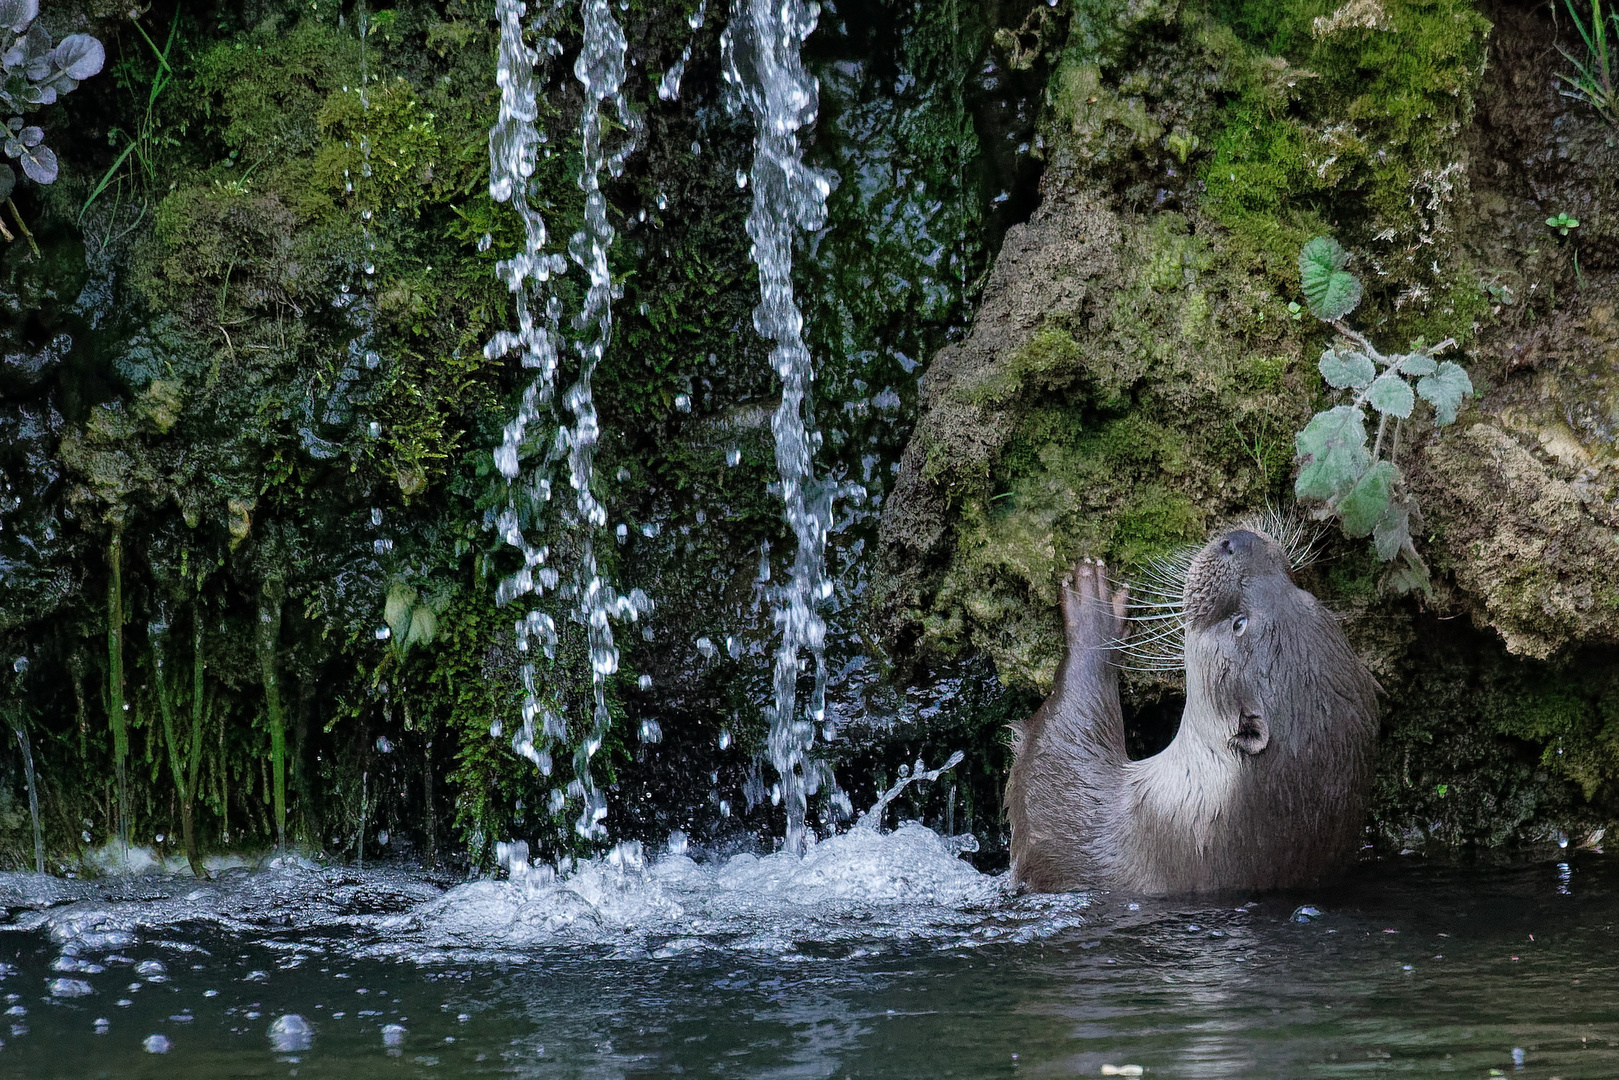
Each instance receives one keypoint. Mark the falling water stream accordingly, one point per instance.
(762, 61)
(513, 143)
(600, 70)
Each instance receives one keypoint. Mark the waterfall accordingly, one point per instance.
(600, 70)
(513, 143)
(761, 56)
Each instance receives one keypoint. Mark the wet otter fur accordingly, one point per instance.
(1263, 786)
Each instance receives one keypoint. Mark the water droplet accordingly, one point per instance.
(291, 1034)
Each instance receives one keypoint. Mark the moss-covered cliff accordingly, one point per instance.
(1142, 361)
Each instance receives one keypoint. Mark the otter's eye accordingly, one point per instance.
(1239, 625)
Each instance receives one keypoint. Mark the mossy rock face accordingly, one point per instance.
(1141, 363)
(1128, 382)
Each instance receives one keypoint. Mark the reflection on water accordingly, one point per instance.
(881, 962)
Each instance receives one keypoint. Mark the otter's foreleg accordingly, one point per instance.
(1065, 790)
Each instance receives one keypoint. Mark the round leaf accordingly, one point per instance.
(1345, 368)
(39, 162)
(1331, 290)
(1332, 453)
(1445, 390)
(1391, 395)
(15, 15)
(1416, 364)
(80, 55)
(1365, 504)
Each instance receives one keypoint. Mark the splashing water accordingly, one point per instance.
(600, 70)
(761, 56)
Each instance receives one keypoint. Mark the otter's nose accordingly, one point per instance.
(1239, 542)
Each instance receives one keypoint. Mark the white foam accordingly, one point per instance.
(854, 892)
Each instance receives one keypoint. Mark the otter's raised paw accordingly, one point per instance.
(1093, 613)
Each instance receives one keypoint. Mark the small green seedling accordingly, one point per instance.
(1563, 222)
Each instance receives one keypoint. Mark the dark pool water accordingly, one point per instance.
(1411, 969)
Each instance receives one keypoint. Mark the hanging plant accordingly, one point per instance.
(33, 74)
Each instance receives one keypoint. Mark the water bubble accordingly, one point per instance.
(696, 148)
(651, 731)
(663, 201)
(376, 515)
(291, 1034)
(725, 738)
(375, 429)
(156, 1044)
(382, 837)
(393, 1035)
(384, 746)
(20, 664)
(725, 808)
(462, 1017)
(485, 241)
(644, 682)
(151, 969)
(383, 633)
(103, 1025)
(1305, 913)
(733, 456)
(683, 402)
(741, 178)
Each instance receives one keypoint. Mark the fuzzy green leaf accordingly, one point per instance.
(1415, 364)
(1392, 533)
(1332, 453)
(1347, 368)
(1391, 395)
(1411, 575)
(1445, 390)
(396, 611)
(1366, 503)
(1331, 291)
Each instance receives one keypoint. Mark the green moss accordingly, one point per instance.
(1137, 428)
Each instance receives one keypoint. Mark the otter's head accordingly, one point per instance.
(1250, 637)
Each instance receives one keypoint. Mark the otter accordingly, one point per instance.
(1263, 786)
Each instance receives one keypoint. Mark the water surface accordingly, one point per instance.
(886, 958)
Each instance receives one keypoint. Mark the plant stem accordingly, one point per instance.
(269, 632)
(115, 673)
(17, 215)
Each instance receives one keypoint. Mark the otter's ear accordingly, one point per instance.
(1253, 734)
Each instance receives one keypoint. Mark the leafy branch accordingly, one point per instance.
(1362, 486)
